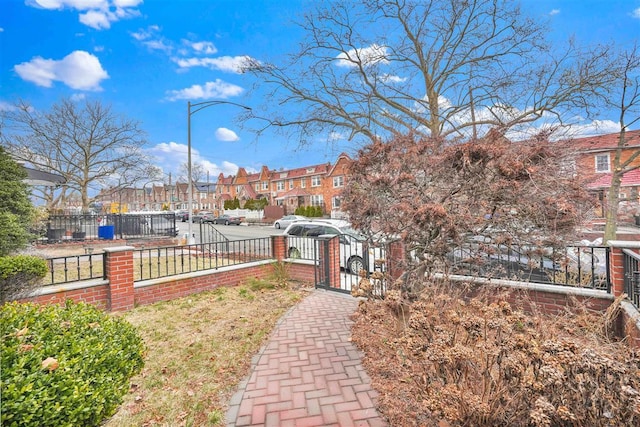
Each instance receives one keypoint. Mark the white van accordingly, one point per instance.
(302, 243)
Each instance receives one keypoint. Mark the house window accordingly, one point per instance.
(338, 181)
(316, 200)
(257, 187)
(290, 184)
(265, 185)
(315, 181)
(602, 163)
(280, 185)
(336, 202)
(303, 183)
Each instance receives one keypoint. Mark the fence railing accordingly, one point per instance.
(81, 227)
(74, 268)
(631, 262)
(153, 263)
(579, 266)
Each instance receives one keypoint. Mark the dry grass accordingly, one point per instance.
(199, 348)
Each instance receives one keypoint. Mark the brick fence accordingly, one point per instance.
(119, 292)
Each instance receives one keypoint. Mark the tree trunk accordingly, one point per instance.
(611, 214)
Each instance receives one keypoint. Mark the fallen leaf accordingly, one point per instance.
(50, 363)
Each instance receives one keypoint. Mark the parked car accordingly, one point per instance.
(354, 249)
(203, 216)
(227, 219)
(182, 215)
(286, 220)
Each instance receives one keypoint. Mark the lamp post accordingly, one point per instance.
(191, 110)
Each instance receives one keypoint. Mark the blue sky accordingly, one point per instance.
(147, 59)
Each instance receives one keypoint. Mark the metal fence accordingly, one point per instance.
(579, 266)
(631, 262)
(153, 263)
(81, 227)
(74, 268)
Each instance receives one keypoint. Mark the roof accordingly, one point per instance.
(38, 177)
(296, 192)
(629, 179)
(607, 142)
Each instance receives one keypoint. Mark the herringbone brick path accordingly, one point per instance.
(309, 373)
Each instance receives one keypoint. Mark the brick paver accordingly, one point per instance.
(309, 373)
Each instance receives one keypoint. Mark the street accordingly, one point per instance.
(231, 232)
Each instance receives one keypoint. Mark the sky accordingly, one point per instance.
(148, 58)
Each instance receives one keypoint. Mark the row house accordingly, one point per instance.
(594, 162)
(315, 185)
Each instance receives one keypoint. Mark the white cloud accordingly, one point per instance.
(206, 48)
(232, 64)
(227, 135)
(5, 106)
(77, 97)
(388, 78)
(151, 39)
(97, 14)
(170, 156)
(371, 55)
(554, 12)
(79, 70)
(636, 13)
(215, 89)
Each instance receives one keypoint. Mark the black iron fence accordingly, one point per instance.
(631, 262)
(153, 263)
(74, 268)
(81, 227)
(580, 266)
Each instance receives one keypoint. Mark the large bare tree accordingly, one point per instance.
(440, 68)
(625, 98)
(87, 143)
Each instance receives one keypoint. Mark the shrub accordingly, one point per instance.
(481, 362)
(64, 365)
(19, 275)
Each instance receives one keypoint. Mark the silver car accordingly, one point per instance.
(286, 221)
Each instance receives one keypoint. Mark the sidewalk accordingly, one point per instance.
(309, 373)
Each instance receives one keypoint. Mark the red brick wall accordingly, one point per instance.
(96, 295)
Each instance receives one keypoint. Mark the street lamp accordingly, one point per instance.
(191, 110)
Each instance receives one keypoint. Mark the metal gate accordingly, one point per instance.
(353, 263)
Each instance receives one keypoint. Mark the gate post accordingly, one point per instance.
(329, 259)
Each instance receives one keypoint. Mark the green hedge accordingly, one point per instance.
(19, 275)
(64, 365)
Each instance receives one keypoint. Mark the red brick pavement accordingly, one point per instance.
(309, 373)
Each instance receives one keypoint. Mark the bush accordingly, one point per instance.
(480, 362)
(64, 365)
(19, 276)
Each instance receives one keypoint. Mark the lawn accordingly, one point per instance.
(198, 349)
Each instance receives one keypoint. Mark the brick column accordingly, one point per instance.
(118, 267)
(330, 259)
(395, 259)
(616, 271)
(279, 247)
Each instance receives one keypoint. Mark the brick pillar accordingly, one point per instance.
(334, 261)
(279, 247)
(118, 267)
(616, 270)
(395, 259)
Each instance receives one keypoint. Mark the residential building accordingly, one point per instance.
(594, 162)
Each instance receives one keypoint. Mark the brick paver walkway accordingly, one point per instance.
(309, 373)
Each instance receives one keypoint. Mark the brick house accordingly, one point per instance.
(594, 163)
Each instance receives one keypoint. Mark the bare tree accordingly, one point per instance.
(87, 144)
(625, 98)
(198, 172)
(439, 68)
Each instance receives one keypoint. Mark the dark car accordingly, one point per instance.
(227, 219)
(203, 216)
(182, 215)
